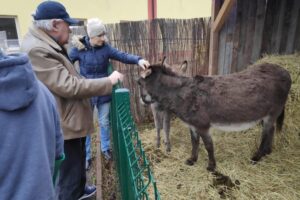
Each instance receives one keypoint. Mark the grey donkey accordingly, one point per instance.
(162, 118)
(231, 102)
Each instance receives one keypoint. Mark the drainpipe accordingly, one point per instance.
(152, 9)
(152, 14)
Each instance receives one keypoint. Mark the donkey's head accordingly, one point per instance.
(147, 77)
(159, 74)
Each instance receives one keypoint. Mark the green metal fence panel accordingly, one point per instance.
(134, 173)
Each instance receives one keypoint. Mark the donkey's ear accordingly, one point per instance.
(163, 62)
(146, 73)
(183, 66)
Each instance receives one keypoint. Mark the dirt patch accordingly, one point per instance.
(110, 181)
(224, 184)
(109, 177)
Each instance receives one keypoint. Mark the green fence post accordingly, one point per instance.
(132, 166)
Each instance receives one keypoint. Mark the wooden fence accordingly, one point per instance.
(257, 27)
(177, 39)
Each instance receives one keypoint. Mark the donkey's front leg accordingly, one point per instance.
(157, 123)
(195, 138)
(166, 127)
(157, 137)
(210, 149)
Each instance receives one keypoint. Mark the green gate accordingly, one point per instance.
(135, 177)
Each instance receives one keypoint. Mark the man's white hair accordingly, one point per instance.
(45, 24)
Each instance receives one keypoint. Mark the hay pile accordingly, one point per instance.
(277, 176)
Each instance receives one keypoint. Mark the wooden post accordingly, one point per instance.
(214, 37)
(218, 18)
(222, 15)
(152, 15)
(99, 169)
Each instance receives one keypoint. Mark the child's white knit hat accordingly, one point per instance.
(95, 27)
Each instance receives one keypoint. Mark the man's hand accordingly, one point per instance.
(144, 64)
(115, 77)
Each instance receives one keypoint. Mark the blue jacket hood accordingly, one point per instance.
(18, 84)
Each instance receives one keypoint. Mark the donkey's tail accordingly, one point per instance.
(279, 121)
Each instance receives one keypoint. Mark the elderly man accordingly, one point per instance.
(44, 44)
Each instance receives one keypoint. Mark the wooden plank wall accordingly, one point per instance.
(255, 28)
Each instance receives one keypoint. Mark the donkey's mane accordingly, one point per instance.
(165, 70)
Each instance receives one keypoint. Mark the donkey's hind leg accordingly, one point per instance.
(266, 139)
(208, 143)
(157, 123)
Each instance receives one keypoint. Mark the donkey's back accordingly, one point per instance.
(250, 95)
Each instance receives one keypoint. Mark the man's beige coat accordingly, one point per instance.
(71, 91)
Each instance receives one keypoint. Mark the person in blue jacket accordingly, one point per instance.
(93, 54)
(30, 132)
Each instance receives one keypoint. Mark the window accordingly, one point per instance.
(9, 40)
(80, 28)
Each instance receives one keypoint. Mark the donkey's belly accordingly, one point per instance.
(234, 126)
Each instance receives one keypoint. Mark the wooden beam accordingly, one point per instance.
(214, 37)
(222, 15)
(218, 17)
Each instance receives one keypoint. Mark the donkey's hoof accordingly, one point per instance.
(261, 153)
(157, 145)
(168, 149)
(211, 168)
(253, 162)
(268, 151)
(255, 158)
(189, 162)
